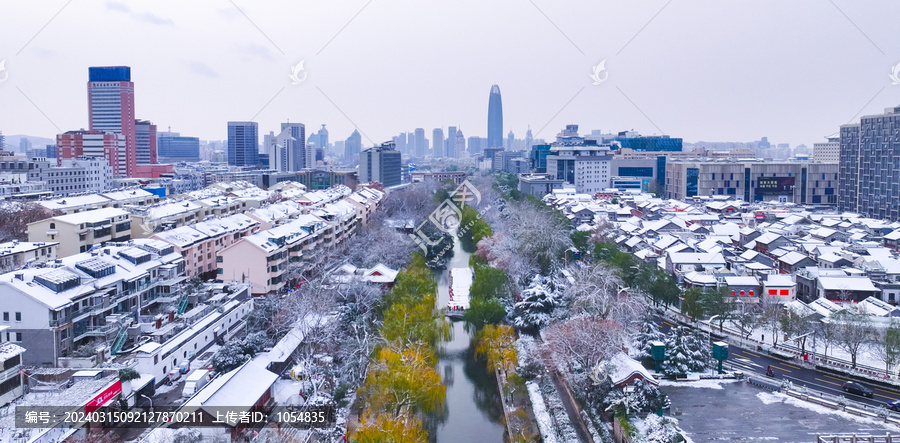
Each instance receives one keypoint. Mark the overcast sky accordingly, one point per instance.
(702, 70)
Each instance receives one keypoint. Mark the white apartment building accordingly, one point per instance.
(585, 166)
(829, 152)
(80, 231)
(18, 254)
(72, 175)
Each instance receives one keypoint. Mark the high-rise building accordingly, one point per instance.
(870, 173)
(296, 155)
(243, 143)
(510, 141)
(24, 144)
(579, 162)
(172, 147)
(111, 108)
(495, 119)
(73, 175)
(421, 143)
(50, 151)
(529, 139)
(2, 141)
(380, 164)
(92, 144)
(322, 142)
(437, 142)
(474, 146)
(450, 144)
(460, 149)
(827, 152)
(352, 146)
(145, 142)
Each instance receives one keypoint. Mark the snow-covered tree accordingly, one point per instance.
(598, 291)
(640, 397)
(642, 340)
(537, 302)
(659, 430)
(685, 352)
(584, 341)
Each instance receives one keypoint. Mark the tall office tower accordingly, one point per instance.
(529, 139)
(145, 142)
(2, 141)
(50, 151)
(380, 164)
(92, 144)
(410, 144)
(296, 158)
(421, 143)
(24, 144)
(450, 148)
(352, 146)
(437, 142)
(243, 143)
(460, 149)
(869, 179)
(495, 119)
(510, 141)
(400, 142)
(475, 147)
(323, 139)
(111, 108)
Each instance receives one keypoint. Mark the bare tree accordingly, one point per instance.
(854, 330)
(15, 217)
(770, 316)
(585, 341)
(598, 291)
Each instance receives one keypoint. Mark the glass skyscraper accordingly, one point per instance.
(495, 119)
(243, 141)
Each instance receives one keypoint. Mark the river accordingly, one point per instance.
(473, 410)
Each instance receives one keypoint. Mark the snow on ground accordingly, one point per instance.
(545, 423)
(706, 384)
(769, 398)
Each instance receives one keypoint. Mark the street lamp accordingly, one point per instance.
(711, 326)
(148, 399)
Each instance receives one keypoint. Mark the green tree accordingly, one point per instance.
(663, 289)
(797, 328)
(497, 345)
(888, 347)
(406, 326)
(605, 251)
(489, 282)
(484, 311)
(718, 302)
(582, 242)
(692, 304)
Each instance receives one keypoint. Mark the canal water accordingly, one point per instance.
(473, 410)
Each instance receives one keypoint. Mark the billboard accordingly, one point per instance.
(774, 185)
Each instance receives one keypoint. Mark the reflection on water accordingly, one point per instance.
(473, 412)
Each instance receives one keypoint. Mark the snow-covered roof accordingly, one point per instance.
(622, 367)
(741, 281)
(833, 283)
(96, 215)
(779, 280)
(240, 388)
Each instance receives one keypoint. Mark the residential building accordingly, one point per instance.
(72, 176)
(200, 243)
(783, 181)
(145, 142)
(380, 164)
(80, 298)
(17, 255)
(243, 141)
(421, 143)
(147, 220)
(292, 140)
(420, 176)
(11, 371)
(111, 109)
(352, 147)
(110, 199)
(93, 144)
(79, 232)
(323, 179)
(870, 166)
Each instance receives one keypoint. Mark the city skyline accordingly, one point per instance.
(647, 86)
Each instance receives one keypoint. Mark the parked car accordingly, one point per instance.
(893, 405)
(857, 388)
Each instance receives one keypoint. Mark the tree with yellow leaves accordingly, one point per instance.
(406, 326)
(404, 383)
(387, 429)
(497, 344)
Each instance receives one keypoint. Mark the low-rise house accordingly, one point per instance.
(846, 288)
(78, 232)
(16, 255)
(744, 287)
(681, 263)
(876, 307)
(770, 241)
(779, 288)
(793, 261)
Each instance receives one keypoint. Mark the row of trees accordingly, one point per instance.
(402, 384)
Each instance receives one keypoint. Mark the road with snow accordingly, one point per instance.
(754, 363)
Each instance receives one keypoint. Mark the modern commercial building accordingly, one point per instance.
(172, 147)
(648, 171)
(243, 143)
(295, 144)
(829, 152)
(538, 155)
(352, 147)
(495, 119)
(380, 164)
(450, 144)
(315, 179)
(81, 231)
(145, 142)
(538, 185)
(437, 142)
(460, 149)
(580, 162)
(422, 176)
(785, 181)
(421, 143)
(648, 143)
(111, 109)
(93, 144)
(870, 166)
(72, 176)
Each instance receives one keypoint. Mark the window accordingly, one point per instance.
(52, 225)
(18, 336)
(784, 292)
(6, 316)
(18, 316)
(156, 360)
(773, 292)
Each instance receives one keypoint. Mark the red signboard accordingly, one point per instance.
(103, 397)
